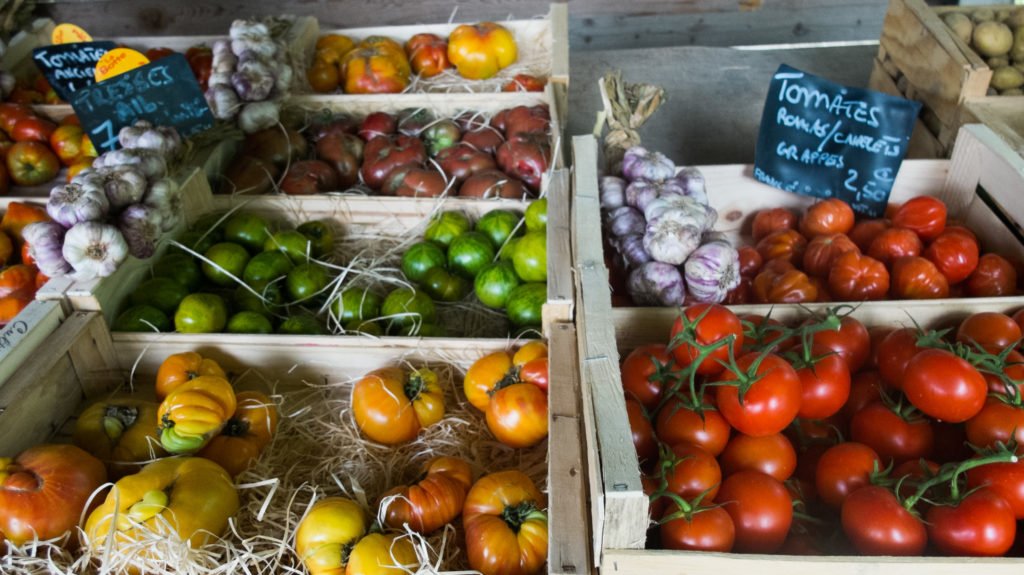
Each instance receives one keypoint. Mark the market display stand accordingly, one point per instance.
(980, 185)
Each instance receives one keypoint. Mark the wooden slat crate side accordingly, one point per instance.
(923, 144)
(560, 304)
(23, 334)
(942, 69)
(559, 17)
(1000, 113)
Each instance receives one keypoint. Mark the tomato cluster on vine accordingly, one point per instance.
(828, 437)
(826, 255)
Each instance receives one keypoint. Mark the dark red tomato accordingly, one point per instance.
(831, 216)
(913, 473)
(741, 294)
(695, 471)
(716, 323)
(772, 220)
(771, 454)
(1004, 479)
(876, 333)
(995, 276)
(893, 354)
(750, 261)
(891, 436)
(851, 341)
(917, 278)
(982, 525)
(678, 424)
(865, 231)
(801, 543)
(709, 529)
(894, 243)
(1013, 369)
(843, 469)
(925, 215)
(788, 245)
(761, 510)
(944, 386)
(825, 386)
(865, 388)
(856, 277)
(997, 422)
(776, 284)
(641, 371)
(643, 434)
(807, 470)
(822, 251)
(650, 485)
(991, 330)
(769, 405)
(1018, 316)
(955, 254)
(877, 524)
(950, 442)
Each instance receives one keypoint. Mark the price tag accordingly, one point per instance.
(821, 139)
(67, 33)
(118, 61)
(70, 67)
(164, 92)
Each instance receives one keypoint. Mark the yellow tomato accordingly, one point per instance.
(181, 367)
(391, 406)
(480, 51)
(195, 412)
(379, 554)
(326, 535)
(121, 432)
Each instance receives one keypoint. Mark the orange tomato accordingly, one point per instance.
(480, 51)
(244, 436)
(331, 48)
(182, 367)
(498, 369)
(18, 216)
(428, 54)
(12, 305)
(323, 77)
(435, 500)
(80, 163)
(392, 405)
(506, 525)
(6, 248)
(517, 415)
(18, 279)
(375, 67)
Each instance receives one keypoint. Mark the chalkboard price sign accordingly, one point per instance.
(821, 139)
(70, 67)
(164, 92)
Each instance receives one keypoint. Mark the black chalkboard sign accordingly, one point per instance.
(821, 139)
(70, 67)
(164, 92)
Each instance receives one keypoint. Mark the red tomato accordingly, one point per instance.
(800, 543)
(650, 485)
(892, 437)
(924, 214)
(843, 469)
(917, 278)
(33, 129)
(708, 529)
(982, 525)
(763, 334)
(851, 341)
(694, 471)
(715, 323)
(770, 454)
(772, 220)
(741, 294)
(535, 371)
(769, 404)
(1004, 479)
(894, 243)
(865, 231)
(643, 434)
(950, 442)
(750, 261)
(994, 277)
(955, 254)
(997, 422)
(876, 333)
(825, 386)
(1013, 369)
(865, 388)
(641, 371)
(991, 330)
(856, 277)
(877, 524)
(893, 354)
(775, 284)
(822, 251)
(1018, 316)
(831, 216)
(786, 245)
(944, 386)
(761, 510)
(677, 424)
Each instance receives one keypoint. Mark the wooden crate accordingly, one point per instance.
(983, 170)
(920, 58)
(81, 363)
(23, 334)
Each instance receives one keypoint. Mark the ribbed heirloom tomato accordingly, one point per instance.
(856, 277)
(831, 216)
(894, 243)
(785, 244)
(780, 282)
(954, 253)
(914, 277)
(772, 220)
(994, 277)
(435, 500)
(506, 525)
(822, 251)
(925, 215)
(865, 231)
(392, 405)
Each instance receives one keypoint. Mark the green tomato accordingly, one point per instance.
(162, 293)
(537, 216)
(266, 267)
(231, 259)
(443, 286)
(306, 280)
(420, 258)
(356, 305)
(249, 322)
(292, 243)
(247, 230)
(142, 318)
(530, 257)
(407, 306)
(508, 250)
(367, 327)
(499, 225)
(196, 241)
(201, 313)
(322, 236)
(495, 283)
(526, 304)
(245, 300)
(301, 325)
(180, 267)
(469, 253)
(213, 223)
(447, 226)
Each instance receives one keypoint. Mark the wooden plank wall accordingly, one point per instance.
(594, 24)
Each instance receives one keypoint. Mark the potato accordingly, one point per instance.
(1002, 15)
(1007, 78)
(1016, 18)
(960, 24)
(983, 15)
(992, 39)
(998, 62)
(1017, 49)
(1012, 92)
